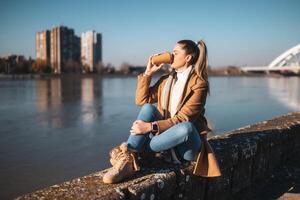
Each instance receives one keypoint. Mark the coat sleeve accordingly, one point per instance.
(191, 109)
(144, 93)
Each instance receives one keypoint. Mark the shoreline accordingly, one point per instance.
(47, 76)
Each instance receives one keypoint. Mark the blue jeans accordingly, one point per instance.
(183, 137)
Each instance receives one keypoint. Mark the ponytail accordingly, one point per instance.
(202, 62)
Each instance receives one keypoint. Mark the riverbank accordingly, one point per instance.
(248, 157)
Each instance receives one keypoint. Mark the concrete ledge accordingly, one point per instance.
(246, 156)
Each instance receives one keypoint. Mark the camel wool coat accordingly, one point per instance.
(190, 108)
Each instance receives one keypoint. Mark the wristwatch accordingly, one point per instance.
(154, 127)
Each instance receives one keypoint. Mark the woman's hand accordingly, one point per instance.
(140, 127)
(151, 69)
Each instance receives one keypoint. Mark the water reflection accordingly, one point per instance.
(48, 94)
(80, 98)
(42, 94)
(55, 93)
(87, 91)
(286, 91)
(88, 107)
(49, 97)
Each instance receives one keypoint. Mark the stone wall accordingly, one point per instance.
(247, 156)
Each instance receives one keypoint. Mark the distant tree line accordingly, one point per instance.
(18, 64)
(15, 64)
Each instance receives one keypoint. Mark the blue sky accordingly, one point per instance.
(236, 32)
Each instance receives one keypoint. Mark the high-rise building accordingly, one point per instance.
(65, 49)
(43, 46)
(91, 50)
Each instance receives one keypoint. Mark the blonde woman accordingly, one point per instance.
(177, 124)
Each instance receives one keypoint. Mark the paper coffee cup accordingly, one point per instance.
(166, 57)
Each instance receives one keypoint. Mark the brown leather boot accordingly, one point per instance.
(124, 165)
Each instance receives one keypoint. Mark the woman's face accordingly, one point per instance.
(181, 59)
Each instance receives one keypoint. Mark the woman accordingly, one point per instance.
(177, 123)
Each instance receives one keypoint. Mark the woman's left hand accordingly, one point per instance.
(140, 127)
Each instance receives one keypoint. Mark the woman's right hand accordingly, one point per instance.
(151, 69)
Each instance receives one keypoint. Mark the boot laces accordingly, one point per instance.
(124, 157)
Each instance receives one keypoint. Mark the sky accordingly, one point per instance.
(236, 32)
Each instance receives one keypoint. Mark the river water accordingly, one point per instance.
(53, 130)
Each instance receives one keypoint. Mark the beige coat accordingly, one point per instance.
(190, 108)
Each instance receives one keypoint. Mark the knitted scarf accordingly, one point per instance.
(165, 99)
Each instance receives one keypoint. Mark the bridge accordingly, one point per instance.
(287, 62)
